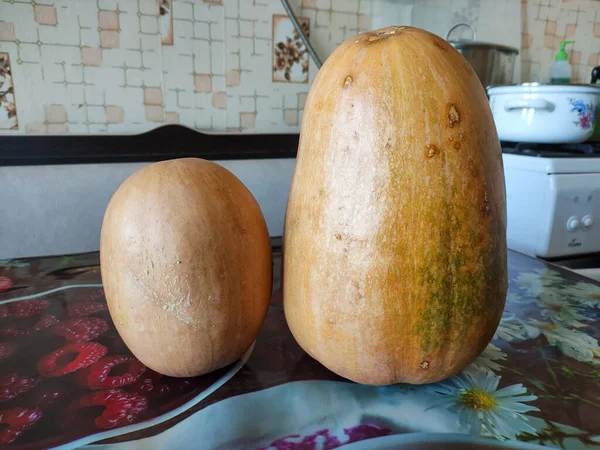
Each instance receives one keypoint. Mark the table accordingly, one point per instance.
(537, 382)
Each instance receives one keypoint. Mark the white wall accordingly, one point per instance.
(49, 210)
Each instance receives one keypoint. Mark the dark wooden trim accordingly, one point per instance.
(166, 142)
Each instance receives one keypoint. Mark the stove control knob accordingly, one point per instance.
(587, 221)
(573, 223)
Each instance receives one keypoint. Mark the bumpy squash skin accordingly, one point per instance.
(186, 265)
(395, 263)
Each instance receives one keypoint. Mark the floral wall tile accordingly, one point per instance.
(8, 104)
(166, 21)
(290, 56)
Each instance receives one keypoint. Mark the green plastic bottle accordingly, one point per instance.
(560, 70)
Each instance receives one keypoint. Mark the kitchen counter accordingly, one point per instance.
(538, 382)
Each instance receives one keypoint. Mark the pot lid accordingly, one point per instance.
(464, 44)
(541, 87)
(472, 44)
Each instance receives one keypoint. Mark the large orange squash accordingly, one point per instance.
(186, 266)
(394, 241)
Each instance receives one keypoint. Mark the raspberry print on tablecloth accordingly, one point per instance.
(16, 421)
(97, 376)
(85, 308)
(70, 358)
(21, 310)
(23, 328)
(7, 350)
(120, 407)
(13, 384)
(81, 330)
(65, 373)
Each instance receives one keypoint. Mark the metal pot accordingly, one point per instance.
(493, 63)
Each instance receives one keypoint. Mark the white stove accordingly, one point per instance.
(553, 203)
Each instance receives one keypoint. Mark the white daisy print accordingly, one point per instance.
(573, 343)
(549, 277)
(487, 359)
(513, 329)
(584, 293)
(514, 298)
(535, 283)
(530, 282)
(483, 408)
(556, 308)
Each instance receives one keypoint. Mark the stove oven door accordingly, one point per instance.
(573, 225)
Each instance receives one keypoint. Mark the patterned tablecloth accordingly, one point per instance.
(538, 382)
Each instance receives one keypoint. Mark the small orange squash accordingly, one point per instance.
(395, 232)
(186, 266)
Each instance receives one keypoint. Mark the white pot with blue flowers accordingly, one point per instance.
(544, 113)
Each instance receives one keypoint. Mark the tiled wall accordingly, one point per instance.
(546, 23)
(117, 66)
(125, 66)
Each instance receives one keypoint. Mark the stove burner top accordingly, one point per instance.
(553, 150)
